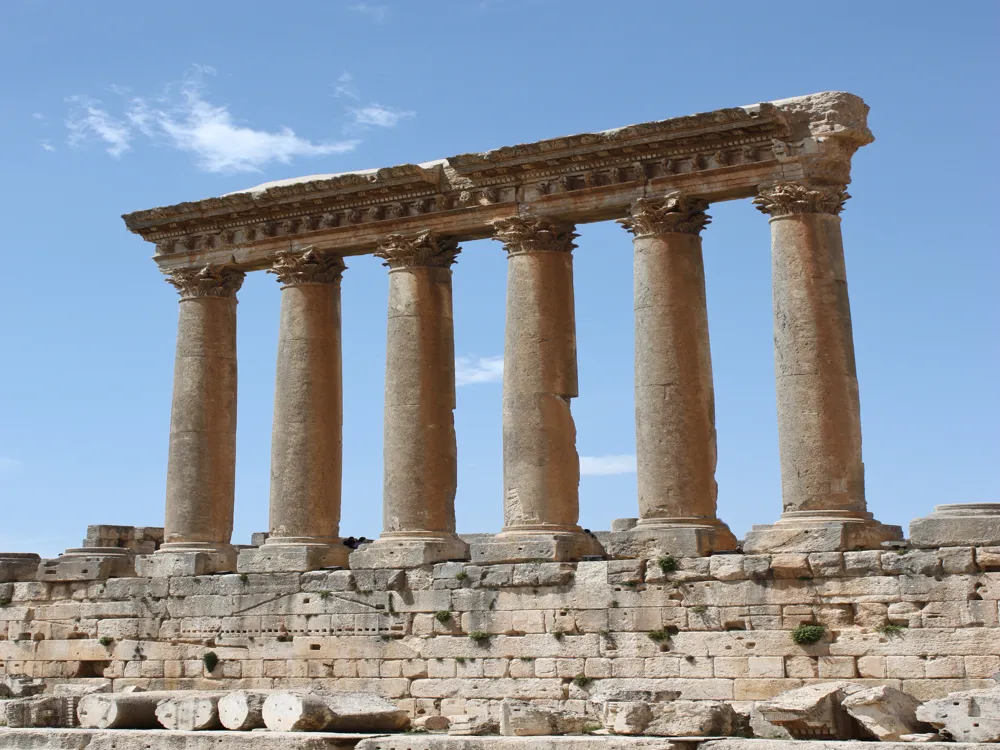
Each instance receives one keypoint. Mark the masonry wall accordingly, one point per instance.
(455, 637)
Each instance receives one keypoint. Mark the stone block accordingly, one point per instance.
(170, 563)
(18, 566)
(958, 560)
(389, 553)
(884, 712)
(684, 718)
(677, 541)
(814, 712)
(826, 564)
(791, 565)
(727, 567)
(274, 558)
(863, 563)
(811, 535)
(522, 719)
(88, 564)
(967, 716)
(504, 548)
(911, 563)
(956, 525)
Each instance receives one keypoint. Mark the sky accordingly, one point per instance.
(111, 107)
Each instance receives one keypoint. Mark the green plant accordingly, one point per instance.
(324, 595)
(558, 634)
(614, 604)
(385, 637)
(461, 575)
(390, 607)
(105, 640)
(902, 551)
(460, 660)
(284, 638)
(806, 634)
(582, 681)
(667, 564)
(699, 609)
(479, 636)
(658, 636)
(5, 601)
(244, 578)
(604, 633)
(527, 658)
(210, 660)
(892, 630)
(629, 584)
(442, 616)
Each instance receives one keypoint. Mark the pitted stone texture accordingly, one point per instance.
(969, 716)
(682, 540)
(340, 712)
(242, 710)
(121, 710)
(556, 546)
(804, 534)
(88, 564)
(190, 711)
(169, 564)
(523, 719)
(161, 739)
(814, 712)
(960, 524)
(18, 566)
(884, 712)
(277, 557)
(695, 719)
(390, 553)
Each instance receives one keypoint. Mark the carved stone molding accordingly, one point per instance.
(208, 281)
(671, 213)
(310, 267)
(525, 235)
(789, 198)
(426, 250)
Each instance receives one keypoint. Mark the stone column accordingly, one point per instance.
(421, 473)
(541, 467)
(307, 436)
(201, 465)
(674, 393)
(819, 413)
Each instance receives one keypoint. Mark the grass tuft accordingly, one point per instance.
(667, 564)
(211, 661)
(442, 616)
(805, 635)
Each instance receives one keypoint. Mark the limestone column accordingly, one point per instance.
(674, 392)
(819, 412)
(307, 434)
(421, 473)
(541, 467)
(201, 465)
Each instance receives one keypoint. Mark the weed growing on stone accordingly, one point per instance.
(667, 564)
(892, 630)
(582, 681)
(658, 636)
(460, 660)
(699, 609)
(105, 640)
(442, 616)
(479, 637)
(210, 660)
(558, 634)
(324, 595)
(461, 576)
(244, 578)
(591, 728)
(5, 601)
(385, 637)
(807, 634)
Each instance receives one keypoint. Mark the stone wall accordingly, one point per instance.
(458, 637)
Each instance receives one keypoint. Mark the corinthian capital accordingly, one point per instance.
(671, 213)
(210, 281)
(426, 250)
(310, 267)
(790, 198)
(525, 235)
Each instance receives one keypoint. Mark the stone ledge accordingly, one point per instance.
(163, 739)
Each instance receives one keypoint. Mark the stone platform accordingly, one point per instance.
(162, 739)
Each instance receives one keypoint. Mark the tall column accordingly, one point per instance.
(541, 468)
(307, 435)
(421, 471)
(201, 465)
(819, 412)
(674, 393)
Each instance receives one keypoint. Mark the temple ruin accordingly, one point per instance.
(668, 605)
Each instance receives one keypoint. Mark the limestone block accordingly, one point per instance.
(630, 718)
(912, 563)
(534, 689)
(968, 716)
(695, 719)
(884, 712)
(523, 719)
(958, 524)
(432, 723)
(757, 567)
(727, 567)
(468, 725)
(626, 571)
(790, 565)
(18, 566)
(814, 712)
(863, 563)
(826, 564)
(42, 711)
(120, 710)
(190, 711)
(960, 560)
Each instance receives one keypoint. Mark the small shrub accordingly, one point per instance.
(390, 607)
(324, 595)
(442, 616)
(582, 681)
(105, 640)
(5, 601)
(460, 660)
(807, 634)
(461, 576)
(558, 634)
(700, 609)
(211, 661)
(244, 578)
(479, 636)
(892, 630)
(385, 637)
(604, 633)
(658, 636)
(614, 604)
(667, 564)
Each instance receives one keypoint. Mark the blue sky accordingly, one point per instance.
(116, 106)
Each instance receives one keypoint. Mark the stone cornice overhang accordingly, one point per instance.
(721, 155)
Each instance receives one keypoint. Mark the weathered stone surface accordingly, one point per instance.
(41, 711)
(740, 744)
(18, 566)
(466, 725)
(582, 742)
(190, 711)
(296, 712)
(695, 719)
(242, 710)
(340, 712)
(967, 716)
(959, 524)
(523, 719)
(813, 712)
(161, 739)
(432, 723)
(884, 712)
(121, 710)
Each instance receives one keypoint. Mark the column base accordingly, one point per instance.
(821, 531)
(656, 538)
(408, 551)
(293, 555)
(536, 545)
(89, 564)
(186, 559)
(958, 525)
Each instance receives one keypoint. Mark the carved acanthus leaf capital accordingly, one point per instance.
(671, 213)
(426, 250)
(790, 198)
(309, 267)
(526, 235)
(210, 281)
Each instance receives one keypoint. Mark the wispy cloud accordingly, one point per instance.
(8, 466)
(87, 121)
(471, 370)
(605, 465)
(378, 116)
(345, 87)
(47, 145)
(377, 13)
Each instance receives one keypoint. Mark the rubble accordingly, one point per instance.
(524, 719)
(814, 712)
(884, 712)
(966, 716)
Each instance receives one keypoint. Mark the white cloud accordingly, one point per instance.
(604, 465)
(87, 121)
(378, 13)
(47, 146)
(9, 466)
(376, 115)
(345, 87)
(471, 370)
(38, 116)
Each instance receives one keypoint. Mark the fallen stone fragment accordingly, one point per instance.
(923, 737)
(965, 716)
(242, 710)
(523, 719)
(43, 711)
(190, 712)
(432, 723)
(628, 717)
(695, 719)
(120, 710)
(884, 712)
(296, 712)
(340, 712)
(20, 687)
(814, 712)
(465, 725)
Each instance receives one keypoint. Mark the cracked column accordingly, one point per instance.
(819, 412)
(674, 393)
(421, 471)
(201, 465)
(541, 468)
(307, 435)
